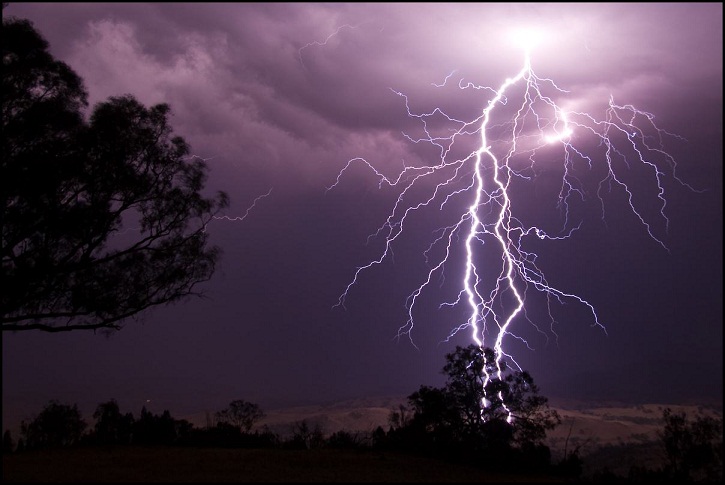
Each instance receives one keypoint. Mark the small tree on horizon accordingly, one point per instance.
(453, 420)
(111, 426)
(57, 425)
(240, 414)
(511, 397)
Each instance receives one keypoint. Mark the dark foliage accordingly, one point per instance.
(447, 423)
(482, 415)
(345, 440)
(101, 219)
(57, 425)
(8, 444)
(694, 448)
(304, 437)
(152, 429)
(224, 435)
(112, 427)
(240, 414)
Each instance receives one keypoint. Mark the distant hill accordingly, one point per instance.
(612, 435)
(584, 423)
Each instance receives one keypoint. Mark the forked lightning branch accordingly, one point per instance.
(522, 124)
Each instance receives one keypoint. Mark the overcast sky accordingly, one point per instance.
(282, 96)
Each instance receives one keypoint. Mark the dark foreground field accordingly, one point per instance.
(169, 464)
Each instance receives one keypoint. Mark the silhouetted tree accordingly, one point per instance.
(151, 429)
(241, 414)
(111, 426)
(57, 425)
(345, 440)
(379, 438)
(400, 418)
(498, 419)
(69, 187)
(304, 437)
(510, 396)
(225, 435)
(435, 425)
(8, 445)
(694, 449)
(571, 464)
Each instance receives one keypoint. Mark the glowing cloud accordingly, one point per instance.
(528, 38)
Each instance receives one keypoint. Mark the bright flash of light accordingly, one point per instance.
(520, 127)
(528, 38)
(563, 134)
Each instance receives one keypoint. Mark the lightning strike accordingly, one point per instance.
(319, 43)
(230, 218)
(249, 209)
(522, 126)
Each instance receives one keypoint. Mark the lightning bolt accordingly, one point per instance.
(249, 209)
(510, 139)
(232, 218)
(322, 43)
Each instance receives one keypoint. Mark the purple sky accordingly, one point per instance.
(281, 96)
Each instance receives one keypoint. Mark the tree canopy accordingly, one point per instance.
(111, 426)
(694, 448)
(495, 420)
(101, 218)
(240, 414)
(56, 426)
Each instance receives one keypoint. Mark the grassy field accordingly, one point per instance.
(170, 464)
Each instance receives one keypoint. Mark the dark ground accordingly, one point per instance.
(175, 464)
